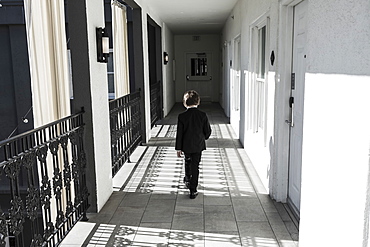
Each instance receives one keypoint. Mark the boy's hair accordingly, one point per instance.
(191, 97)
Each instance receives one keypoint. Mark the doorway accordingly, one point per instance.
(235, 79)
(296, 103)
(199, 74)
(155, 71)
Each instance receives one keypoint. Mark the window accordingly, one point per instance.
(260, 80)
(261, 52)
(199, 66)
(257, 84)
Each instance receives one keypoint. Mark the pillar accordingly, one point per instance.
(90, 90)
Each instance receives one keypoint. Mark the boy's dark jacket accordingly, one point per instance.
(193, 129)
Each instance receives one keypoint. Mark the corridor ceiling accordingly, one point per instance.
(193, 16)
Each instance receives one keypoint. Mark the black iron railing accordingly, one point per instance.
(43, 184)
(125, 122)
(155, 103)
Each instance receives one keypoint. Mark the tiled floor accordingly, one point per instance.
(151, 206)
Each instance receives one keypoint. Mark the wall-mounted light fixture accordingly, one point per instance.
(165, 58)
(102, 44)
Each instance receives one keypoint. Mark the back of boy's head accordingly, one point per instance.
(191, 98)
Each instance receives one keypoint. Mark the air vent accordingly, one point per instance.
(196, 38)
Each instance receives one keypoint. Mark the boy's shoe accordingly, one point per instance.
(193, 194)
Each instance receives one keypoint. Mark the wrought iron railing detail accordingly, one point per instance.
(125, 122)
(155, 104)
(43, 175)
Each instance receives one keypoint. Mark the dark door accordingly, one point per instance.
(155, 71)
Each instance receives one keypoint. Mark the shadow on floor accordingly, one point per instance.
(151, 206)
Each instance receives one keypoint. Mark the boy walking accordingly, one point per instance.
(193, 129)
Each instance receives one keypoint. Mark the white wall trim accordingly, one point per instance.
(290, 3)
(261, 20)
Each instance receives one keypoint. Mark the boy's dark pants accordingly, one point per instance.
(192, 169)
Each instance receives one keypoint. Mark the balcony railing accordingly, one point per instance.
(155, 105)
(43, 184)
(125, 123)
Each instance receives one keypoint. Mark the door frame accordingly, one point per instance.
(293, 206)
(200, 79)
(279, 171)
(227, 83)
(235, 93)
(253, 98)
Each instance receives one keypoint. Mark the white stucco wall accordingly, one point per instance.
(168, 82)
(336, 133)
(241, 20)
(335, 162)
(100, 112)
(335, 159)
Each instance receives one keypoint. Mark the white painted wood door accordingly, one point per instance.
(199, 75)
(296, 133)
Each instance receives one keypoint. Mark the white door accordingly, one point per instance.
(199, 75)
(297, 101)
(228, 65)
(235, 79)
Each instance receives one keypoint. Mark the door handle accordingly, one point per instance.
(291, 104)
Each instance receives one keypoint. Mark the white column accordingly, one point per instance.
(90, 89)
